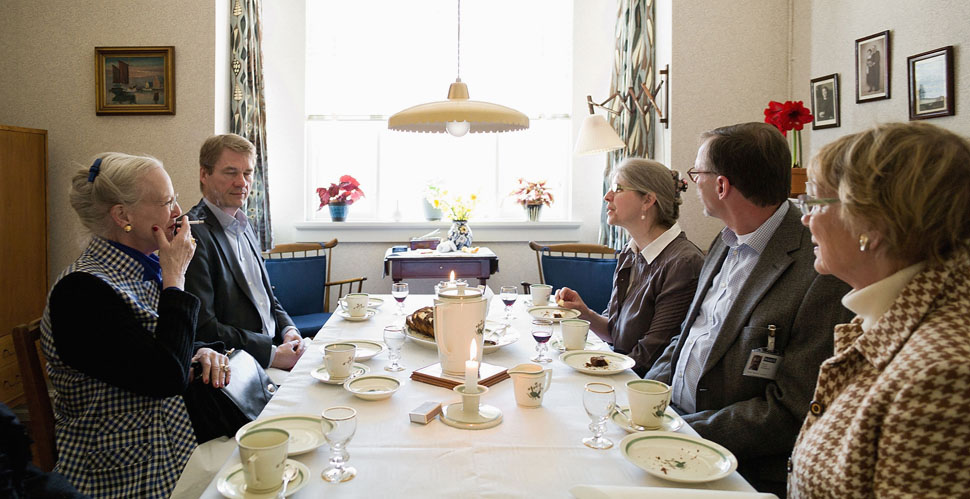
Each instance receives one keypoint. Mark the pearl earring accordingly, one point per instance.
(863, 242)
(127, 227)
(643, 216)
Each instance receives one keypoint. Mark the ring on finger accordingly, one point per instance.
(224, 367)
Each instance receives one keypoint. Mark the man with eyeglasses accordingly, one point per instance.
(743, 369)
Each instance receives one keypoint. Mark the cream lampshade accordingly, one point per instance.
(597, 136)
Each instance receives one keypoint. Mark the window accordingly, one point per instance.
(368, 60)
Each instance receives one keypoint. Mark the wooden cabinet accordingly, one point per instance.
(23, 247)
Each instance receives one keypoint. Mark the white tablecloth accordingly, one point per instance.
(532, 453)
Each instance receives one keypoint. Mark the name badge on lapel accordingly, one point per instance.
(764, 362)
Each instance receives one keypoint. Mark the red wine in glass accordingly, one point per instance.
(508, 301)
(541, 336)
(400, 298)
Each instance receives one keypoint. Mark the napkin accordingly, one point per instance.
(623, 492)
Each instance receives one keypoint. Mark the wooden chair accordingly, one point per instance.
(586, 268)
(25, 340)
(300, 276)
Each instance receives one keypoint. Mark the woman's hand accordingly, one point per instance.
(567, 298)
(214, 366)
(175, 256)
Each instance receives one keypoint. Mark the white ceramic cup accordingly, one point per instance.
(531, 382)
(648, 401)
(356, 304)
(540, 294)
(263, 455)
(340, 359)
(574, 332)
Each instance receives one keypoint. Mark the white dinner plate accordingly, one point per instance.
(616, 363)
(306, 430)
(320, 373)
(553, 313)
(372, 302)
(507, 338)
(621, 417)
(232, 484)
(347, 317)
(678, 457)
(366, 349)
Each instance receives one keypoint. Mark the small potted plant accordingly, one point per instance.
(532, 196)
(339, 196)
(791, 116)
(434, 199)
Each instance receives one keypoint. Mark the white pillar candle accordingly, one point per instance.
(471, 369)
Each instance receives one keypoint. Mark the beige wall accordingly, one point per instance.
(47, 81)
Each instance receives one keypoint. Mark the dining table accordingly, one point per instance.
(533, 452)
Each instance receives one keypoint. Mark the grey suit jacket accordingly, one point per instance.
(758, 419)
(228, 313)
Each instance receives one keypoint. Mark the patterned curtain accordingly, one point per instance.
(633, 62)
(248, 107)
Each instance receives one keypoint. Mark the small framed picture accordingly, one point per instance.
(931, 84)
(826, 102)
(872, 67)
(134, 80)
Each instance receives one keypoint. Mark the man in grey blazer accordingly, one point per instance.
(227, 272)
(743, 369)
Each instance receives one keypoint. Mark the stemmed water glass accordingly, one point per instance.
(342, 423)
(541, 332)
(599, 400)
(399, 290)
(394, 339)
(509, 294)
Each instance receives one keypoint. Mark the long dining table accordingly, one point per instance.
(534, 452)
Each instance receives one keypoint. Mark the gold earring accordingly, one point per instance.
(127, 227)
(863, 242)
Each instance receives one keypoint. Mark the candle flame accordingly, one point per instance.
(452, 276)
(473, 350)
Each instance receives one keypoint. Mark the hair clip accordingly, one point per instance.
(94, 170)
(679, 183)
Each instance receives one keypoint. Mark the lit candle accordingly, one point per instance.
(471, 369)
(451, 279)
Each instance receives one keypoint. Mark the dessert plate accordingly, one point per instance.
(621, 417)
(507, 338)
(579, 360)
(306, 430)
(366, 349)
(553, 313)
(678, 457)
(372, 386)
(321, 374)
(347, 317)
(233, 485)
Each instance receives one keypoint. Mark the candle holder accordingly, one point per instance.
(470, 413)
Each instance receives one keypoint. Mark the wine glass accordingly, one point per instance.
(342, 426)
(394, 339)
(399, 290)
(541, 332)
(599, 400)
(509, 294)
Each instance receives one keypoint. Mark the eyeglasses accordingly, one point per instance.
(617, 188)
(692, 173)
(172, 204)
(809, 204)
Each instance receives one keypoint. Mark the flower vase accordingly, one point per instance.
(533, 210)
(798, 178)
(430, 212)
(338, 212)
(460, 234)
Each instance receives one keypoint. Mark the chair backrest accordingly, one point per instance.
(586, 268)
(25, 340)
(299, 274)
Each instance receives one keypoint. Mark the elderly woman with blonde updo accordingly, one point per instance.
(656, 274)
(887, 208)
(119, 335)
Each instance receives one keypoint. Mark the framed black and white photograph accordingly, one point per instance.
(872, 69)
(931, 84)
(826, 102)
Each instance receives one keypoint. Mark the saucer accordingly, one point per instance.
(321, 374)
(553, 313)
(678, 457)
(372, 302)
(366, 349)
(347, 317)
(373, 386)
(232, 484)
(615, 362)
(671, 421)
(306, 430)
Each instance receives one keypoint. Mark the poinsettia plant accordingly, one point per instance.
(532, 193)
(790, 116)
(346, 191)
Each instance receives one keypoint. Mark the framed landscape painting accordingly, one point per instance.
(872, 69)
(826, 105)
(134, 80)
(931, 92)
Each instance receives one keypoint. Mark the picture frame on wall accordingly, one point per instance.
(872, 67)
(826, 102)
(134, 80)
(930, 77)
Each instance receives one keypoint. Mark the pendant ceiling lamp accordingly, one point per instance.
(458, 115)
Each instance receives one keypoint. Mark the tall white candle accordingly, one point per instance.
(451, 279)
(471, 369)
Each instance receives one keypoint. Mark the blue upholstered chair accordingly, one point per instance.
(586, 268)
(301, 282)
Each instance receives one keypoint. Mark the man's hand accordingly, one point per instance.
(287, 354)
(292, 334)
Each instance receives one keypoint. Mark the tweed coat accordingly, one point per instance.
(758, 419)
(893, 403)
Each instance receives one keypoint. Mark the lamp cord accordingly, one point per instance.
(459, 40)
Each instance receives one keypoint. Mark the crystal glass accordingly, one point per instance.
(599, 400)
(509, 294)
(343, 425)
(541, 332)
(394, 339)
(399, 290)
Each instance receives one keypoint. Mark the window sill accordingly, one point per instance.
(398, 232)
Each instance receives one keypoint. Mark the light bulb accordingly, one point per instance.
(457, 128)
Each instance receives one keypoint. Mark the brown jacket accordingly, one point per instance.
(890, 413)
